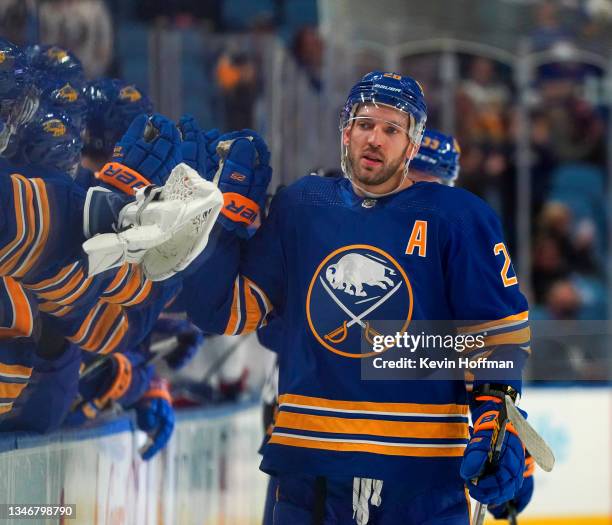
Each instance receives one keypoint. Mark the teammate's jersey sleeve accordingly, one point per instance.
(40, 224)
(483, 288)
(237, 283)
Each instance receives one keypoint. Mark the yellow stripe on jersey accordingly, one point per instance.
(102, 327)
(66, 289)
(255, 317)
(517, 337)
(375, 427)
(31, 206)
(373, 447)
(145, 291)
(20, 226)
(5, 407)
(116, 337)
(399, 409)
(23, 319)
(234, 320)
(135, 280)
(15, 371)
(55, 280)
(40, 192)
(505, 322)
(11, 390)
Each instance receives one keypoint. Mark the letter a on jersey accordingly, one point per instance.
(418, 239)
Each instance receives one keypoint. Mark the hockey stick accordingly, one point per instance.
(220, 362)
(512, 519)
(537, 447)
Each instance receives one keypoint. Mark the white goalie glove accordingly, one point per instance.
(164, 229)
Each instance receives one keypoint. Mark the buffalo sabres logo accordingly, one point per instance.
(67, 93)
(130, 93)
(351, 292)
(55, 127)
(57, 54)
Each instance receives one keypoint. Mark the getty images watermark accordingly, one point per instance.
(435, 350)
(415, 342)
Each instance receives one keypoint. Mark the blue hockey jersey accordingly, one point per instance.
(332, 265)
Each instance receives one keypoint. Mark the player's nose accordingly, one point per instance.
(375, 136)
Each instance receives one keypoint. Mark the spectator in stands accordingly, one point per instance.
(83, 26)
(16, 17)
(236, 75)
(549, 29)
(549, 265)
(482, 101)
(308, 52)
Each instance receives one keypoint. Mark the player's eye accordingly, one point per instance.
(365, 125)
(391, 130)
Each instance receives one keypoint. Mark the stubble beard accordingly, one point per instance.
(374, 177)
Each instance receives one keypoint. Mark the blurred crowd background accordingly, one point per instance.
(524, 85)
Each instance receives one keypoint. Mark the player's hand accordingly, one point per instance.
(243, 176)
(146, 154)
(504, 480)
(523, 496)
(197, 146)
(189, 336)
(155, 416)
(108, 383)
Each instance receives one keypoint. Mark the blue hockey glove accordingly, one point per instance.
(501, 482)
(523, 496)
(190, 339)
(146, 154)
(197, 147)
(155, 416)
(243, 175)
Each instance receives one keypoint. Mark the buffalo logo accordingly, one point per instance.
(57, 54)
(55, 127)
(130, 94)
(354, 289)
(67, 93)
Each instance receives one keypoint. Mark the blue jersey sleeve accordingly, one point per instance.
(237, 283)
(483, 289)
(40, 224)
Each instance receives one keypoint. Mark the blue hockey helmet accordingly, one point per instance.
(391, 89)
(438, 156)
(50, 140)
(398, 92)
(19, 98)
(63, 97)
(55, 61)
(112, 105)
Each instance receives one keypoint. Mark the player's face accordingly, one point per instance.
(378, 146)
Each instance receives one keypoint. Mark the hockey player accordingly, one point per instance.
(45, 232)
(346, 449)
(112, 105)
(437, 159)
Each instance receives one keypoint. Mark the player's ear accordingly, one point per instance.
(411, 150)
(345, 134)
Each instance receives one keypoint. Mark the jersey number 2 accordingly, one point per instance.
(500, 247)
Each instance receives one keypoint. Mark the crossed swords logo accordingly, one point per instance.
(338, 335)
